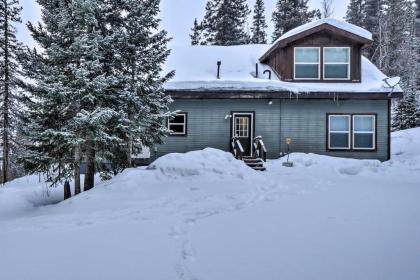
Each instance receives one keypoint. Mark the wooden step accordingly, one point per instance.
(254, 163)
(260, 168)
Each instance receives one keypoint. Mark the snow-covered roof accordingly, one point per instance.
(196, 68)
(351, 28)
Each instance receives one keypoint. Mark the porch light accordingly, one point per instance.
(270, 102)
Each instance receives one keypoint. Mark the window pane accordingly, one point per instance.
(336, 71)
(363, 140)
(175, 128)
(306, 71)
(242, 126)
(339, 140)
(307, 55)
(337, 55)
(363, 123)
(178, 119)
(339, 123)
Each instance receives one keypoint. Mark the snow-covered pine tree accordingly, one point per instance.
(417, 27)
(52, 104)
(407, 111)
(259, 24)
(290, 14)
(397, 37)
(74, 90)
(209, 21)
(418, 18)
(231, 19)
(10, 80)
(356, 12)
(196, 35)
(143, 49)
(374, 22)
(327, 9)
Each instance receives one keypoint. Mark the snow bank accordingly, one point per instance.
(321, 164)
(206, 162)
(406, 143)
(26, 193)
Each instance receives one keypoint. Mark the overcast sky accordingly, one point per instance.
(177, 16)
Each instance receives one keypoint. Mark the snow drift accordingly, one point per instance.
(206, 162)
(189, 215)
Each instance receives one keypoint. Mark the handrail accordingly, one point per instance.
(259, 148)
(237, 149)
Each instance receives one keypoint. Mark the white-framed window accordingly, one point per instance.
(177, 125)
(307, 63)
(336, 63)
(339, 130)
(364, 132)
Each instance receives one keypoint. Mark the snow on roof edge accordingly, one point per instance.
(354, 29)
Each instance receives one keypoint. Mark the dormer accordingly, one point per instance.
(326, 50)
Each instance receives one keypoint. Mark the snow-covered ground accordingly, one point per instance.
(204, 215)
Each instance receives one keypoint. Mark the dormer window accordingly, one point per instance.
(307, 63)
(336, 63)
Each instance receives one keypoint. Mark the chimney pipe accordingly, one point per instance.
(219, 63)
(256, 70)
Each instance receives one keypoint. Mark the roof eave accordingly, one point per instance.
(280, 94)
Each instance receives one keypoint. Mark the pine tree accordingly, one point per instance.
(290, 14)
(10, 81)
(374, 22)
(417, 32)
(356, 12)
(230, 28)
(402, 59)
(143, 100)
(98, 90)
(326, 8)
(397, 34)
(406, 112)
(73, 90)
(418, 18)
(196, 36)
(209, 21)
(259, 26)
(225, 22)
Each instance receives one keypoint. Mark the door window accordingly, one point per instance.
(242, 126)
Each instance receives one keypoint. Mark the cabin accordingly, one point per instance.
(312, 91)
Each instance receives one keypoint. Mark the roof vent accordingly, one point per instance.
(269, 73)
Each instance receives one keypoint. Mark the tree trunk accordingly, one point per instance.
(77, 188)
(90, 166)
(5, 165)
(67, 191)
(129, 153)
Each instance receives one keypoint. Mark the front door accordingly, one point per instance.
(242, 128)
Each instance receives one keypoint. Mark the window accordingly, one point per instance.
(242, 126)
(361, 128)
(339, 132)
(364, 132)
(178, 124)
(307, 63)
(337, 63)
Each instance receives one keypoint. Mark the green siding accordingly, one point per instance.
(302, 120)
